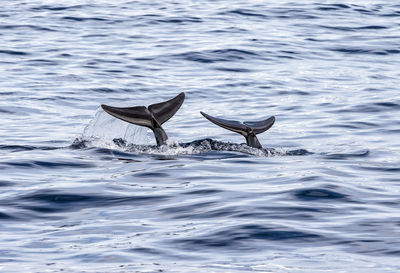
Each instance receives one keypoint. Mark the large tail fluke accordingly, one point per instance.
(152, 117)
(248, 129)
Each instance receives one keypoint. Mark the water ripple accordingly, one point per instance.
(50, 201)
(26, 26)
(14, 52)
(316, 194)
(58, 8)
(33, 164)
(215, 56)
(82, 19)
(245, 12)
(206, 201)
(239, 237)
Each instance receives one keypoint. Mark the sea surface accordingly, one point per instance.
(81, 191)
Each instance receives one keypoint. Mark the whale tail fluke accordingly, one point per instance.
(152, 117)
(163, 111)
(248, 129)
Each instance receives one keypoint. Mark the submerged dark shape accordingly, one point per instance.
(152, 116)
(248, 129)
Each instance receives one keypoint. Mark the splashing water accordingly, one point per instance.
(103, 129)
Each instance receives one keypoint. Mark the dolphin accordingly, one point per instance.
(248, 129)
(152, 116)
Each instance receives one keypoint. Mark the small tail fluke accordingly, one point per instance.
(248, 129)
(152, 117)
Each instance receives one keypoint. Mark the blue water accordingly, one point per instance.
(84, 192)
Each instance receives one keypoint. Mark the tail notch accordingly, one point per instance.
(151, 117)
(248, 129)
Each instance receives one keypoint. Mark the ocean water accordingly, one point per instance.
(81, 191)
